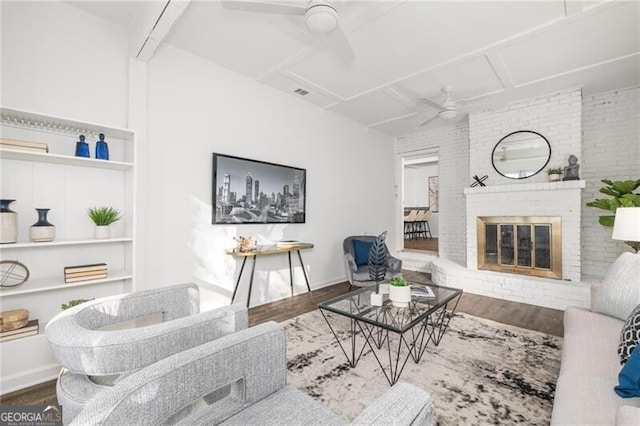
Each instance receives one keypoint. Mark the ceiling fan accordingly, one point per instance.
(446, 110)
(320, 17)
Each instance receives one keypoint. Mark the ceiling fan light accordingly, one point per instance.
(321, 18)
(448, 114)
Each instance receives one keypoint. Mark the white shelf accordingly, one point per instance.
(14, 154)
(57, 283)
(57, 243)
(52, 124)
(519, 187)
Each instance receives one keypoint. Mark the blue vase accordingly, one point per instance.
(82, 148)
(102, 149)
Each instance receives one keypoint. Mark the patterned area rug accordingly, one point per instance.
(483, 372)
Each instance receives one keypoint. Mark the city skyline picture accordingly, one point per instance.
(253, 191)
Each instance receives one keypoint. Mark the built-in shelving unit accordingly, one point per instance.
(68, 185)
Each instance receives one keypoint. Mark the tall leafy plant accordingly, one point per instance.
(622, 193)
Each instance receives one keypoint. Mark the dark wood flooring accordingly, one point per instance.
(428, 244)
(518, 314)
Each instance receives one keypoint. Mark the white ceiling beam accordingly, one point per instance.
(499, 68)
(571, 7)
(153, 25)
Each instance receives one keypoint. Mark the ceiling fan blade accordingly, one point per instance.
(432, 103)
(428, 121)
(338, 41)
(264, 7)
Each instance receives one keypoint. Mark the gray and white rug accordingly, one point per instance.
(483, 372)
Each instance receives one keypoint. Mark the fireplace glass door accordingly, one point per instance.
(524, 245)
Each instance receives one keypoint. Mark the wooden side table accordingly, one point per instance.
(265, 251)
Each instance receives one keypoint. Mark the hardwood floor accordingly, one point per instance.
(428, 244)
(518, 314)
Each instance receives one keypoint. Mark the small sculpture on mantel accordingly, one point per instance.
(572, 171)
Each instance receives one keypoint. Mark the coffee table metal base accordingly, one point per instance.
(389, 346)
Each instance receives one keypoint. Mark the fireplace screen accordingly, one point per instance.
(522, 245)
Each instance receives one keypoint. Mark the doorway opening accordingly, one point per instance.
(420, 188)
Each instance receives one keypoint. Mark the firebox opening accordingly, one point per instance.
(528, 245)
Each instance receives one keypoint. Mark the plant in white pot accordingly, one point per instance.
(555, 174)
(103, 217)
(399, 292)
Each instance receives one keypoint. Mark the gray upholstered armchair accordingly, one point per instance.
(239, 379)
(356, 265)
(94, 358)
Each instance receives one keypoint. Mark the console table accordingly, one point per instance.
(265, 251)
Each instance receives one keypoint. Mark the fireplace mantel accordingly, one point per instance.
(518, 187)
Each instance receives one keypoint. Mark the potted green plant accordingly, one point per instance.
(102, 217)
(623, 195)
(72, 303)
(555, 174)
(399, 292)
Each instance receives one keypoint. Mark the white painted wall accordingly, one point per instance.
(196, 108)
(61, 61)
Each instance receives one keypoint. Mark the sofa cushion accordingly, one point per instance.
(620, 290)
(361, 251)
(287, 406)
(590, 343)
(584, 400)
(630, 335)
(629, 377)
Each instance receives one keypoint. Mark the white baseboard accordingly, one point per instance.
(32, 377)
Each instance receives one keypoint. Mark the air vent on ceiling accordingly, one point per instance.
(301, 92)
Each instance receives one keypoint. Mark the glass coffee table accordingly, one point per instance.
(391, 332)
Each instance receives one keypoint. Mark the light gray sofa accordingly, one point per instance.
(238, 379)
(95, 358)
(590, 363)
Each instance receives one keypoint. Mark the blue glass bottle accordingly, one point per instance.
(82, 148)
(102, 149)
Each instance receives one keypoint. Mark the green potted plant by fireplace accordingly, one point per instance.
(623, 195)
(399, 292)
(103, 217)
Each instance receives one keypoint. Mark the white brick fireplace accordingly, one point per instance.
(557, 118)
(530, 199)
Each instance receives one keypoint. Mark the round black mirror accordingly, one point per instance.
(521, 154)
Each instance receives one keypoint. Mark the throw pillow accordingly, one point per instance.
(629, 377)
(361, 251)
(620, 290)
(630, 335)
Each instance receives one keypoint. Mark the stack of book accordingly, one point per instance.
(24, 145)
(30, 329)
(287, 243)
(77, 273)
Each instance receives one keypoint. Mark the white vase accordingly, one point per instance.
(400, 296)
(554, 177)
(8, 227)
(102, 232)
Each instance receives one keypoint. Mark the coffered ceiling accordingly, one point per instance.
(489, 52)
